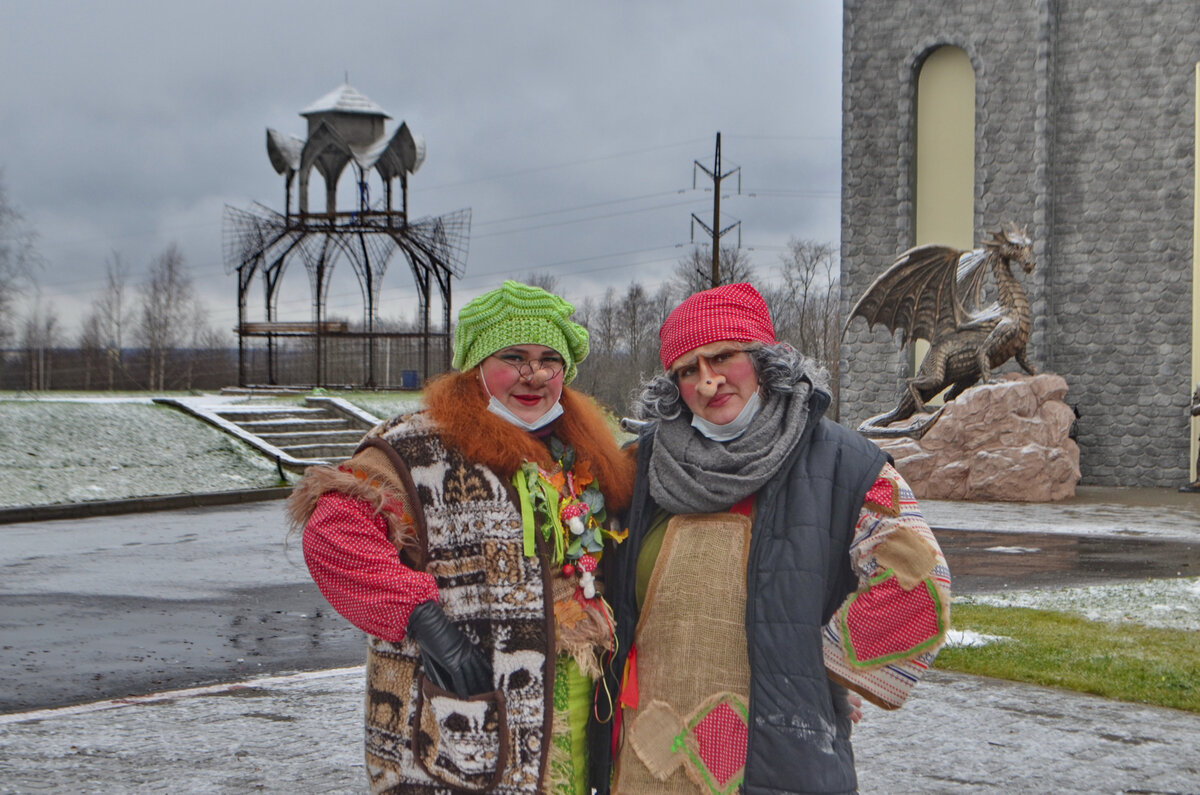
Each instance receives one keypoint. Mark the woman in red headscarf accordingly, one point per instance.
(774, 559)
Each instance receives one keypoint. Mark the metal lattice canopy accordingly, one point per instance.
(344, 128)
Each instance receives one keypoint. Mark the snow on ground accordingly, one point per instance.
(1171, 604)
(956, 734)
(382, 404)
(967, 637)
(72, 447)
(62, 451)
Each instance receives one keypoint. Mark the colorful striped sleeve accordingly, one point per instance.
(887, 633)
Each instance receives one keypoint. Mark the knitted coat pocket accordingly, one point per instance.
(461, 742)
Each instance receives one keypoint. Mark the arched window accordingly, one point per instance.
(944, 188)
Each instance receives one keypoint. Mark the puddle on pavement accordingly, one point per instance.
(982, 561)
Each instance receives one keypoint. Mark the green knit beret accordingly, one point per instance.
(517, 314)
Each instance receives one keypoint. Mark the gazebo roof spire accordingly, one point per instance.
(345, 99)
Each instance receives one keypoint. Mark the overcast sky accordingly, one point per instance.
(568, 128)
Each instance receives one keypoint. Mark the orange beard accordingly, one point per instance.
(457, 403)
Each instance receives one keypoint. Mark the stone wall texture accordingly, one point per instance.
(1084, 135)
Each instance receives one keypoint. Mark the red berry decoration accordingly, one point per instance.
(568, 570)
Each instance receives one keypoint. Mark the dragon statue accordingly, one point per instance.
(937, 293)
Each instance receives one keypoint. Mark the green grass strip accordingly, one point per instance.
(1127, 662)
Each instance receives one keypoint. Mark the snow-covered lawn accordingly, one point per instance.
(72, 449)
(1170, 604)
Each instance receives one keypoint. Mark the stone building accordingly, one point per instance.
(1076, 120)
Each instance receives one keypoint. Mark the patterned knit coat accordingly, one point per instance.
(458, 519)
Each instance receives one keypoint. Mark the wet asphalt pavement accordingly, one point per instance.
(95, 609)
(108, 607)
(123, 605)
(303, 734)
(982, 562)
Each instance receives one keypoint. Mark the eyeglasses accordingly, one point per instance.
(527, 367)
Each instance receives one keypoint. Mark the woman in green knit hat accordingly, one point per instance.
(463, 539)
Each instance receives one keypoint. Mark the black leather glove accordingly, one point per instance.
(452, 662)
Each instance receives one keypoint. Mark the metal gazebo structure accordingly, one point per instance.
(344, 128)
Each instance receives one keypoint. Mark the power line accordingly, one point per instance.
(837, 138)
(582, 207)
(587, 219)
(783, 193)
(568, 164)
(86, 285)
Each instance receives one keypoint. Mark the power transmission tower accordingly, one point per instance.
(715, 231)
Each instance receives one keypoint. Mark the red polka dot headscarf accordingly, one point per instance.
(729, 312)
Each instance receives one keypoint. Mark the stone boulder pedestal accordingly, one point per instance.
(1006, 441)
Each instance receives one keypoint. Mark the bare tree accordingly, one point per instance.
(167, 312)
(547, 281)
(115, 313)
(633, 318)
(39, 337)
(19, 260)
(108, 320)
(623, 332)
(600, 319)
(661, 305)
(203, 340)
(805, 308)
(693, 272)
(91, 347)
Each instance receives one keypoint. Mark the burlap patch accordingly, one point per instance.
(653, 735)
(908, 555)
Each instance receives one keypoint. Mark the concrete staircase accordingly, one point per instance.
(323, 431)
(302, 433)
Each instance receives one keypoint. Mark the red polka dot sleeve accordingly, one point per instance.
(357, 569)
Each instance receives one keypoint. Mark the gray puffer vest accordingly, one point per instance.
(798, 574)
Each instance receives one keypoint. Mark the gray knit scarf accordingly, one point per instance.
(690, 473)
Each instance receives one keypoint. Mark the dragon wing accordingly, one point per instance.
(918, 294)
(970, 282)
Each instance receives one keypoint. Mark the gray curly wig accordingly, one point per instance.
(779, 367)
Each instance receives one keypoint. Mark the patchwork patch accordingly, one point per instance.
(889, 622)
(716, 744)
(711, 743)
(907, 554)
(884, 497)
(652, 737)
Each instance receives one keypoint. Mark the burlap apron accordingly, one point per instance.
(693, 673)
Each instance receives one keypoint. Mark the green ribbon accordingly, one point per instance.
(552, 528)
(527, 527)
(551, 495)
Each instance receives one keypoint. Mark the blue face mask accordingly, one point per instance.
(735, 427)
(505, 413)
